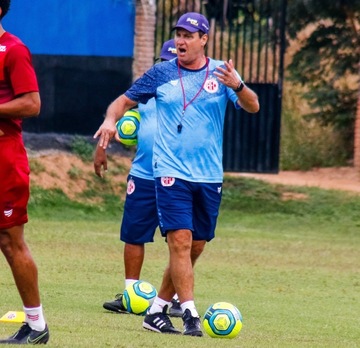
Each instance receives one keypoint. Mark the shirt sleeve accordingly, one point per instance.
(20, 70)
(144, 88)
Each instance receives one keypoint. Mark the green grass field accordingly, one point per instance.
(292, 267)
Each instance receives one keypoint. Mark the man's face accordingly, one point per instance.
(189, 46)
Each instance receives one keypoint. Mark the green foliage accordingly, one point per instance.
(327, 60)
(82, 148)
(311, 146)
(305, 143)
(75, 173)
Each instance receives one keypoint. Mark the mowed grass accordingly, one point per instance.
(288, 258)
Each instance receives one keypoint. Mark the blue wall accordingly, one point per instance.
(74, 27)
(82, 52)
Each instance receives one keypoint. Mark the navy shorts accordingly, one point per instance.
(188, 205)
(140, 218)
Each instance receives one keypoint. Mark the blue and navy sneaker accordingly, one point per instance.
(192, 326)
(26, 335)
(159, 322)
(175, 309)
(116, 305)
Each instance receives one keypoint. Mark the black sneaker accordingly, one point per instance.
(116, 305)
(192, 326)
(159, 322)
(26, 335)
(175, 309)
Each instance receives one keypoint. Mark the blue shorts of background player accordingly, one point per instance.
(188, 205)
(140, 218)
(138, 227)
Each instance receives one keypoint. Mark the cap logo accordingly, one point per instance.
(172, 50)
(193, 22)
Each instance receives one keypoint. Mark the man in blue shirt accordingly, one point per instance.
(191, 94)
(140, 218)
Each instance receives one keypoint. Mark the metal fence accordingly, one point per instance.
(252, 34)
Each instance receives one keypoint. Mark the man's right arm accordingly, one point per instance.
(114, 112)
(22, 106)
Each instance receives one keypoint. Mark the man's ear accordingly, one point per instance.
(204, 39)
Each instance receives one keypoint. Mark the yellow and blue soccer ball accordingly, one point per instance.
(222, 320)
(128, 126)
(138, 297)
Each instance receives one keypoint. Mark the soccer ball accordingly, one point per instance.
(128, 126)
(222, 320)
(138, 297)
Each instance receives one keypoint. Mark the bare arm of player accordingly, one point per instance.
(248, 99)
(114, 112)
(100, 161)
(24, 105)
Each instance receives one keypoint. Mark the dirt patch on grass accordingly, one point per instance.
(67, 172)
(342, 178)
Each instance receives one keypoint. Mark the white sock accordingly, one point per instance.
(190, 305)
(176, 297)
(158, 305)
(35, 318)
(130, 281)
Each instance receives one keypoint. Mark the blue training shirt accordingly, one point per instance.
(142, 163)
(195, 153)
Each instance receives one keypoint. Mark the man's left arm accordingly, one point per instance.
(247, 98)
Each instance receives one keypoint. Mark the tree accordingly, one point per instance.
(328, 62)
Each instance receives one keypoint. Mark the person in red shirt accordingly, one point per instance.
(19, 99)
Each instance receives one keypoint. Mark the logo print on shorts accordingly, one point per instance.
(211, 85)
(8, 212)
(130, 187)
(167, 181)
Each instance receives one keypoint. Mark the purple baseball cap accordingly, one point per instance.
(168, 50)
(193, 22)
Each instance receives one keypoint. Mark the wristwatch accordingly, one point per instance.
(240, 87)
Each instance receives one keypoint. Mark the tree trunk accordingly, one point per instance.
(355, 25)
(144, 37)
(357, 132)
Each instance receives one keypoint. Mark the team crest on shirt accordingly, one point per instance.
(130, 187)
(211, 85)
(167, 181)
(174, 82)
(2, 48)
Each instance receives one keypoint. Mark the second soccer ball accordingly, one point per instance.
(222, 320)
(138, 297)
(128, 126)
